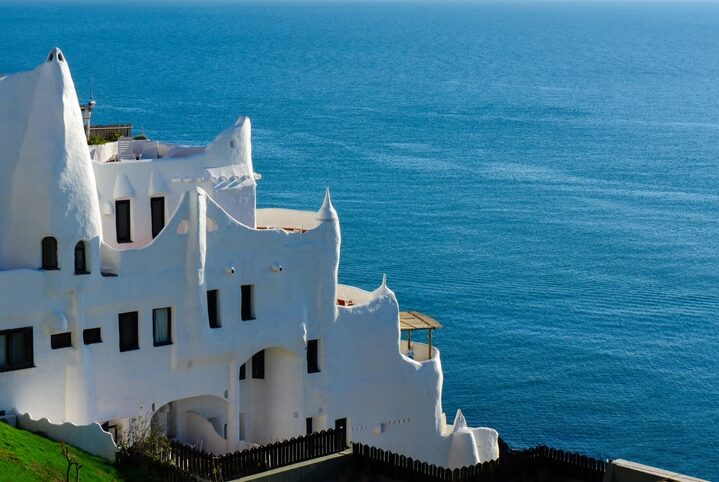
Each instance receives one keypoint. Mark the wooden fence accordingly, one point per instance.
(107, 131)
(184, 461)
(538, 463)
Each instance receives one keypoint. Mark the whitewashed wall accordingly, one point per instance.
(210, 242)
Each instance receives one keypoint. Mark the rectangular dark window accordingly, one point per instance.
(49, 253)
(162, 326)
(81, 258)
(248, 295)
(122, 221)
(128, 331)
(312, 352)
(213, 311)
(61, 340)
(157, 212)
(308, 425)
(91, 335)
(16, 350)
(258, 365)
(243, 371)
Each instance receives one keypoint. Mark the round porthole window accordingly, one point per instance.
(60, 57)
(232, 143)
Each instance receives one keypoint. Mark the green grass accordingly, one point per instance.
(25, 456)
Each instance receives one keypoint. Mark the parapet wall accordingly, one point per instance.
(90, 438)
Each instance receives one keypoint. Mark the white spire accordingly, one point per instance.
(459, 422)
(382, 290)
(327, 211)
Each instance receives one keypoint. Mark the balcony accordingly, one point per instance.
(351, 295)
(289, 220)
(410, 321)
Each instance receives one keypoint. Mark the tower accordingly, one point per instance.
(49, 202)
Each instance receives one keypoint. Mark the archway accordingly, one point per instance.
(197, 421)
(270, 398)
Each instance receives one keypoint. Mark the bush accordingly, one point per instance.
(144, 437)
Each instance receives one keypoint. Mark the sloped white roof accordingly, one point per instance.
(45, 170)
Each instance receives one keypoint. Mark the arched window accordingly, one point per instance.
(49, 253)
(80, 258)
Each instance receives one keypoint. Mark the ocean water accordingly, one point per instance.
(541, 178)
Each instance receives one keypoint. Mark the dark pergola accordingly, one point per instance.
(410, 321)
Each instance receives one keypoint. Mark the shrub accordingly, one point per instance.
(144, 437)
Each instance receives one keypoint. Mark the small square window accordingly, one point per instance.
(61, 340)
(248, 298)
(91, 335)
(16, 349)
(127, 324)
(162, 326)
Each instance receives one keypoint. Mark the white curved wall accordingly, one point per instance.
(209, 243)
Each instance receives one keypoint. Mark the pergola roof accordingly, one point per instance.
(414, 320)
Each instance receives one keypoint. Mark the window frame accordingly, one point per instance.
(48, 254)
(61, 340)
(313, 356)
(128, 238)
(247, 302)
(157, 227)
(258, 365)
(82, 245)
(89, 338)
(129, 319)
(213, 308)
(169, 327)
(28, 360)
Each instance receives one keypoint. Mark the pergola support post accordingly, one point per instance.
(429, 355)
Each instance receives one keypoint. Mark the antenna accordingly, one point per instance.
(91, 96)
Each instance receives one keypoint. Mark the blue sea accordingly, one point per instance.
(542, 178)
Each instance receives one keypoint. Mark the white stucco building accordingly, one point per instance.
(139, 279)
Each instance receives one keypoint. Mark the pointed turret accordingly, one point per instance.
(460, 423)
(327, 211)
(383, 290)
(45, 168)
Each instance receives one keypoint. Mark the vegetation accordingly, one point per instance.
(25, 456)
(96, 140)
(146, 438)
